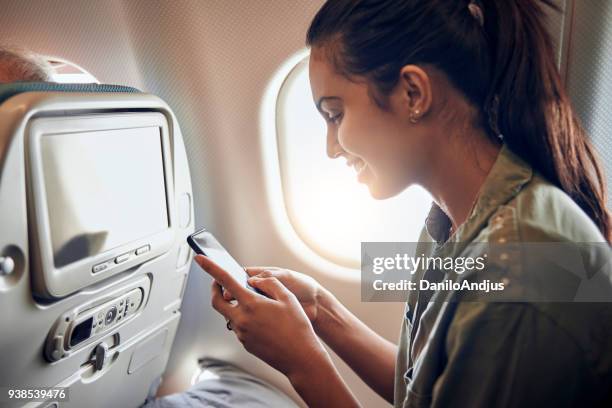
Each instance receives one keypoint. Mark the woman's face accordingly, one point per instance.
(386, 150)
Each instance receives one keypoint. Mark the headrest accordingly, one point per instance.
(14, 88)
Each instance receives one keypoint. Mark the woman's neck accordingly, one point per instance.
(459, 173)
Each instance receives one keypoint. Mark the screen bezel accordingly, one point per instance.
(49, 281)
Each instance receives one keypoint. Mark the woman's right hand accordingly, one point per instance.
(307, 290)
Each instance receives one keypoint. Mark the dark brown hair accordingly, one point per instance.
(503, 63)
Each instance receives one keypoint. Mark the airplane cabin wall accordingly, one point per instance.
(589, 73)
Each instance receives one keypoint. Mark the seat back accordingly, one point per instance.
(95, 208)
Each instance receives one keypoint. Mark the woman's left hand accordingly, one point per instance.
(273, 328)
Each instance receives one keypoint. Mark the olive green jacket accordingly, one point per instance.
(502, 353)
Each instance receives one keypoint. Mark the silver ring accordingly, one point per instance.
(228, 325)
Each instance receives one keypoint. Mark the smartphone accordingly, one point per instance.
(203, 242)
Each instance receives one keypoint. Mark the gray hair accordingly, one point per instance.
(21, 65)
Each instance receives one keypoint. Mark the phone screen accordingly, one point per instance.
(204, 243)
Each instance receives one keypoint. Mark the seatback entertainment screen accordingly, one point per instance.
(103, 189)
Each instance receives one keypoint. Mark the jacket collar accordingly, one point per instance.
(505, 179)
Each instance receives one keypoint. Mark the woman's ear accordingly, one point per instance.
(415, 91)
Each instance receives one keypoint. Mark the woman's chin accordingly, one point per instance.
(379, 193)
(378, 190)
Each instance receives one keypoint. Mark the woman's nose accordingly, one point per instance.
(334, 149)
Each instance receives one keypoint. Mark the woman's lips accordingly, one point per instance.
(360, 167)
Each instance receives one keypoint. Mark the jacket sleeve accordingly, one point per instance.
(510, 355)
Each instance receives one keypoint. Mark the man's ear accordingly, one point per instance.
(415, 91)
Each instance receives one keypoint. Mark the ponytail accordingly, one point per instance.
(498, 53)
(538, 122)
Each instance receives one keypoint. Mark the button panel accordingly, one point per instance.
(78, 327)
(111, 314)
(103, 266)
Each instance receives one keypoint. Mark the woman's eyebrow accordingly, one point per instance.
(326, 98)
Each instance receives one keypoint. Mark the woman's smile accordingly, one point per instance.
(359, 166)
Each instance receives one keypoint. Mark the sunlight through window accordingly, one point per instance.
(328, 209)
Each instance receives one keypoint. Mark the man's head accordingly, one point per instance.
(21, 65)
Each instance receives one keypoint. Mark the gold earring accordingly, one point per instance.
(414, 116)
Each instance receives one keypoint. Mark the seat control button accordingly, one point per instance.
(122, 258)
(110, 315)
(143, 249)
(99, 267)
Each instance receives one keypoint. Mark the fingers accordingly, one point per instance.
(219, 303)
(224, 278)
(263, 271)
(252, 271)
(271, 286)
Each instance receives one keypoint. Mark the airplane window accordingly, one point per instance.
(326, 206)
(64, 71)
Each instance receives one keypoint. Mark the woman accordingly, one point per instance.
(463, 98)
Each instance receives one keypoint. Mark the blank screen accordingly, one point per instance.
(104, 189)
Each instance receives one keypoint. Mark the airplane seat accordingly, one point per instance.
(95, 208)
